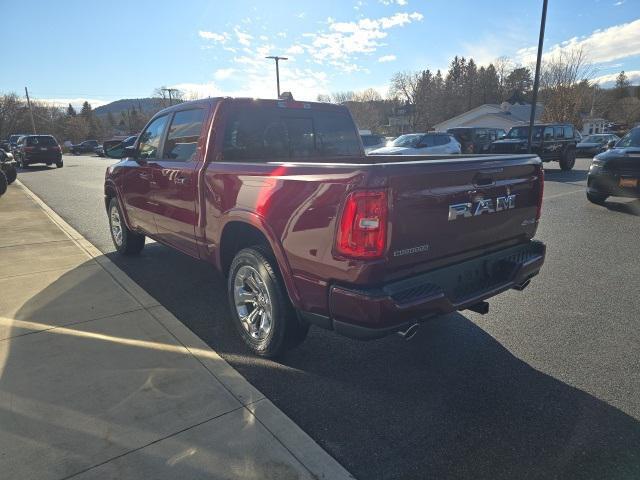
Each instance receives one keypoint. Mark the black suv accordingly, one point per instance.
(616, 172)
(38, 149)
(476, 139)
(88, 146)
(551, 142)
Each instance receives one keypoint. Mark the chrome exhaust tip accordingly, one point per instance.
(410, 332)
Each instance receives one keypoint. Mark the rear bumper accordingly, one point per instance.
(368, 313)
(31, 158)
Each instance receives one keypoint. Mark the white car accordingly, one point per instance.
(421, 144)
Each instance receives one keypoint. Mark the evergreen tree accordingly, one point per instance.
(71, 112)
(622, 85)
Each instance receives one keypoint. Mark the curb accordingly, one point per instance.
(313, 457)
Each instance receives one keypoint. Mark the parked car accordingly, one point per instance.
(372, 142)
(88, 146)
(115, 148)
(33, 149)
(594, 144)
(476, 139)
(308, 229)
(13, 141)
(421, 144)
(551, 142)
(616, 172)
(8, 166)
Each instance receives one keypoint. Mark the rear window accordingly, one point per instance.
(462, 134)
(370, 140)
(41, 140)
(275, 133)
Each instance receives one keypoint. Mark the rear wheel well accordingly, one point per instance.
(109, 193)
(235, 237)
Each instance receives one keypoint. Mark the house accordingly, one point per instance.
(503, 116)
(591, 125)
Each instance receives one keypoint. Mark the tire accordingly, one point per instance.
(596, 198)
(3, 183)
(126, 241)
(568, 160)
(11, 173)
(255, 285)
(59, 164)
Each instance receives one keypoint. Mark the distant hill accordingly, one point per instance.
(146, 105)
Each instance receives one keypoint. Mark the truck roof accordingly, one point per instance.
(258, 102)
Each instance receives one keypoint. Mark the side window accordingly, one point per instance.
(150, 138)
(548, 133)
(254, 134)
(482, 135)
(442, 139)
(183, 136)
(427, 141)
(559, 133)
(568, 132)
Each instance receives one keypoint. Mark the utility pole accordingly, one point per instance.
(33, 124)
(277, 59)
(169, 90)
(536, 82)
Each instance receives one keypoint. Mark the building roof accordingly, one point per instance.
(516, 114)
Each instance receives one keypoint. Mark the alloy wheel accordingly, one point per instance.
(252, 302)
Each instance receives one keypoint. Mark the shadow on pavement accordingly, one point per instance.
(87, 392)
(629, 207)
(572, 176)
(451, 403)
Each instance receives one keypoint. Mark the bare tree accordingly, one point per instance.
(404, 86)
(565, 86)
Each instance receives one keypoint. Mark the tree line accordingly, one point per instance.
(567, 92)
(68, 124)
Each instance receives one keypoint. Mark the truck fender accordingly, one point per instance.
(261, 225)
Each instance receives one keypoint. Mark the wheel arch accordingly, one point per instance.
(244, 230)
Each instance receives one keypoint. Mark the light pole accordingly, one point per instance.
(277, 59)
(536, 82)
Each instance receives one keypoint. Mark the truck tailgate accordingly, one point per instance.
(451, 209)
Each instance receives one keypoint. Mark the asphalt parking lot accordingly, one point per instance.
(547, 385)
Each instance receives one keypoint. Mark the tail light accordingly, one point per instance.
(29, 149)
(362, 231)
(540, 194)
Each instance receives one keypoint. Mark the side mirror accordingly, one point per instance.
(611, 144)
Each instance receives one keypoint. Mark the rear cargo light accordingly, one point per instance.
(540, 194)
(362, 231)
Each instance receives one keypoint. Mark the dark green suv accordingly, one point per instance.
(551, 142)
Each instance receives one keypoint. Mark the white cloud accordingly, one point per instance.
(618, 41)
(295, 50)
(243, 37)
(282, 34)
(76, 102)
(216, 37)
(610, 79)
(387, 58)
(402, 3)
(617, 4)
(223, 73)
(346, 40)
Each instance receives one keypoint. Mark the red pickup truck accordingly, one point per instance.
(280, 197)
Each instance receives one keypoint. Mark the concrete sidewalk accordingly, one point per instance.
(97, 380)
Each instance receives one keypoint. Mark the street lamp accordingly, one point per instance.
(277, 59)
(536, 82)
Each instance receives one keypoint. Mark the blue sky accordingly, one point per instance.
(73, 50)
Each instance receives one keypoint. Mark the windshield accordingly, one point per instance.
(595, 139)
(631, 139)
(410, 140)
(14, 138)
(522, 133)
(463, 134)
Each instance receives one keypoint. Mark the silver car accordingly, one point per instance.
(433, 143)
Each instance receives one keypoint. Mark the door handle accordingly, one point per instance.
(144, 176)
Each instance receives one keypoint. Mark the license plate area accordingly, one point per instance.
(628, 182)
